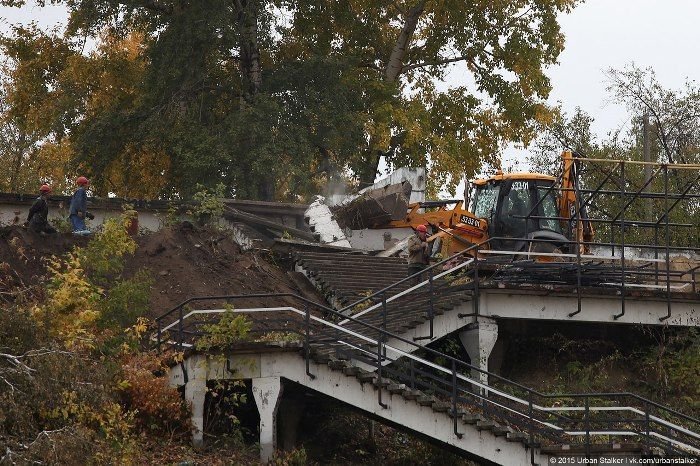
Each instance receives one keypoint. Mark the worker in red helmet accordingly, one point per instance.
(78, 207)
(418, 251)
(38, 218)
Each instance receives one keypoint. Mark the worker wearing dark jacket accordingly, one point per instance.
(38, 218)
(78, 207)
(418, 251)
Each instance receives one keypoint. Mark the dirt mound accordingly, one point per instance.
(187, 262)
(23, 253)
(184, 261)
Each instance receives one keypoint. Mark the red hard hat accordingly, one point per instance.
(82, 181)
(422, 228)
(45, 188)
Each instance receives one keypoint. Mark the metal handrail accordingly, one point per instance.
(379, 342)
(477, 249)
(418, 274)
(426, 349)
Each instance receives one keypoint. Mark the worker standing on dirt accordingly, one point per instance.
(418, 251)
(38, 218)
(78, 207)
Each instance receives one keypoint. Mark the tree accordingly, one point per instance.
(674, 115)
(35, 108)
(277, 98)
(503, 46)
(674, 138)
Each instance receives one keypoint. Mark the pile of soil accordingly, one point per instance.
(23, 255)
(184, 262)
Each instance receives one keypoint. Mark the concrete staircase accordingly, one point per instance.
(432, 396)
(365, 355)
(470, 434)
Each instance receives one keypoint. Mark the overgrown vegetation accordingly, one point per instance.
(231, 328)
(208, 204)
(277, 100)
(73, 371)
(662, 364)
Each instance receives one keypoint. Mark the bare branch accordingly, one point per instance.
(444, 61)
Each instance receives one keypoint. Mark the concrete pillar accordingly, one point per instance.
(267, 392)
(479, 339)
(195, 391)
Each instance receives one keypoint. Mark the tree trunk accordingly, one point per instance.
(251, 74)
(368, 170)
(392, 72)
(19, 156)
(395, 64)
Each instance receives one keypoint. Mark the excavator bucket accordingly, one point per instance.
(375, 208)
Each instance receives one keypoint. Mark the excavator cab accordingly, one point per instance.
(521, 211)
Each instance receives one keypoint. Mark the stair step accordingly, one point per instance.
(486, 425)
(441, 406)
(395, 388)
(500, 431)
(410, 394)
(365, 376)
(426, 400)
(352, 371)
(322, 358)
(470, 418)
(383, 382)
(517, 437)
(337, 365)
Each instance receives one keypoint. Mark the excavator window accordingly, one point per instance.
(549, 208)
(521, 198)
(484, 200)
(518, 205)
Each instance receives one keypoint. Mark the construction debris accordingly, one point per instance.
(375, 207)
(321, 221)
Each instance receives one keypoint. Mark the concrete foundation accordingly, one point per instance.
(479, 339)
(195, 392)
(267, 392)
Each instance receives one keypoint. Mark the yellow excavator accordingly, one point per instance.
(516, 211)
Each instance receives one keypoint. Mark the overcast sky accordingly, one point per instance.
(600, 34)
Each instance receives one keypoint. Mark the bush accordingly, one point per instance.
(70, 311)
(209, 204)
(158, 406)
(104, 255)
(126, 301)
(230, 329)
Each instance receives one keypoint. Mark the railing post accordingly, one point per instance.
(454, 398)
(587, 425)
(646, 423)
(412, 369)
(622, 241)
(578, 223)
(476, 283)
(159, 336)
(307, 337)
(385, 312)
(431, 308)
(667, 214)
(179, 328)
(531, 426)
(380, 353)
